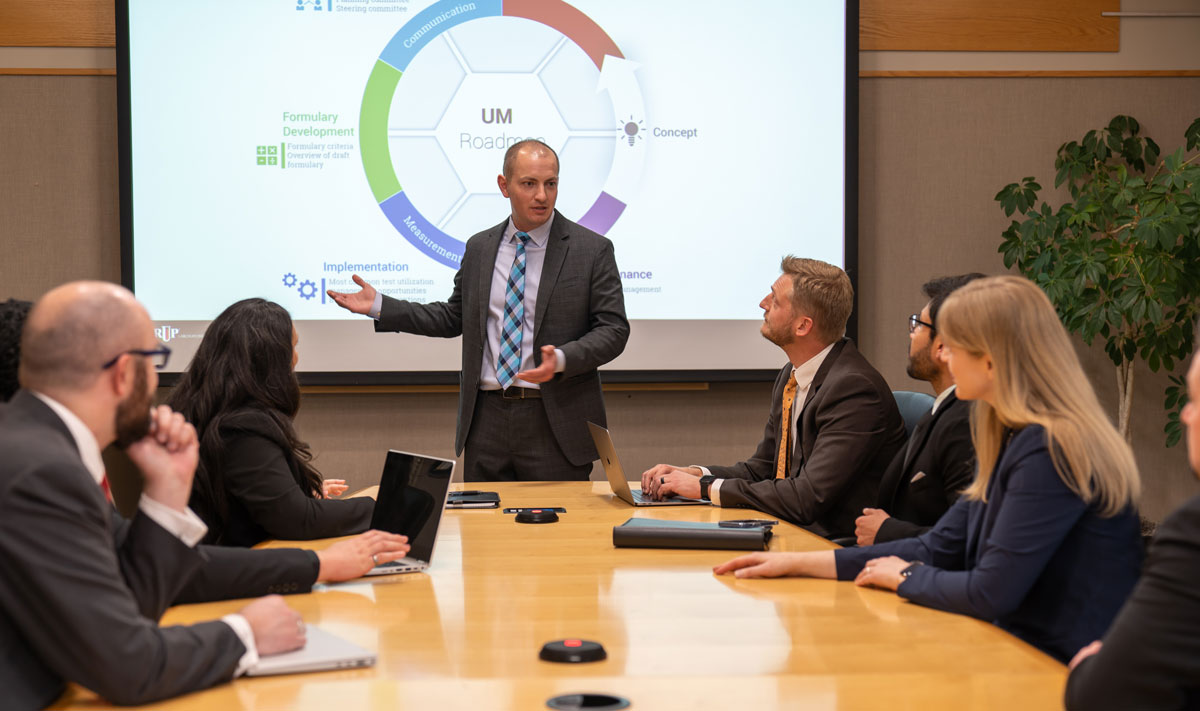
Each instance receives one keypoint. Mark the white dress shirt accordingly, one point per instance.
(185, 526)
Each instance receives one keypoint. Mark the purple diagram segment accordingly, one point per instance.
(423, 235)
(603, 213)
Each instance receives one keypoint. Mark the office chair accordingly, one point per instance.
(913, 407)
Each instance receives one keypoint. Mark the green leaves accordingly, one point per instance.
(1018, 197)
(1120, 259)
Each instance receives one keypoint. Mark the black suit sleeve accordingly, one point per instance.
(231, 573)
(893, 529)
(159, 581)
(1151, 654)
(63, 591)
(258, 476)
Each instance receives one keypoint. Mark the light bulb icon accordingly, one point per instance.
(631, 129)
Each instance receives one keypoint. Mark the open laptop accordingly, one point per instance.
(322, 651)
(616, 475)
(411, 499)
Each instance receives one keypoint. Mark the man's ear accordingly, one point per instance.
(503, 183)
(121, 376)
(804, 326)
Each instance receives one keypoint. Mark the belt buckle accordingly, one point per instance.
(518, 393)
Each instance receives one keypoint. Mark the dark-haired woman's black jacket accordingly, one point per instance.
(263, 491)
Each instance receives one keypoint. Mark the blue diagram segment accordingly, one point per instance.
(431, 22)
(423, 235)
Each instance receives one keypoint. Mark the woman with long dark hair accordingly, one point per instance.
(256, 479)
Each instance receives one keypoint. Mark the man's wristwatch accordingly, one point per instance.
(705, 482)
(909, 570)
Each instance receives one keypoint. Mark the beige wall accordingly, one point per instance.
(934, 152)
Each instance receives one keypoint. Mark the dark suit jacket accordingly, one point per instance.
(848, 431)
(264, 495)
(1151, 655)
(1035, 559)
(940, 448)
(580, 309)
(66, 614)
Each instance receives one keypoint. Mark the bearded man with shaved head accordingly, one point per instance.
(87, 371)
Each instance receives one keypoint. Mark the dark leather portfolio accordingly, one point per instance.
(655, 533)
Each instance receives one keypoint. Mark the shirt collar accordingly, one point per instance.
(85, 441)
(540, 234)
(806, 371)
(941, 398)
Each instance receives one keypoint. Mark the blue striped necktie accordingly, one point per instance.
(514, 314)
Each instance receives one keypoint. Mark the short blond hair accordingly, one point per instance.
(821, 291)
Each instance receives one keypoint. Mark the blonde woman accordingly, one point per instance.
(1045, 543)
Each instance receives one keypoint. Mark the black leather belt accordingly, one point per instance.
(513, 392)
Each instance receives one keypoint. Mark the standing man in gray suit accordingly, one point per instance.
(539, 305)
(88, 358)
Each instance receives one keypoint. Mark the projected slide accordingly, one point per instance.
(279, 146)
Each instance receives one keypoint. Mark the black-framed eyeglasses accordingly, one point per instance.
(915, 320)
(159, 355)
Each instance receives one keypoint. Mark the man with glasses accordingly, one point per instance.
(88, 357)
(926, 476)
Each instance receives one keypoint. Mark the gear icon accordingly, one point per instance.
(289, 280)
(307, 289)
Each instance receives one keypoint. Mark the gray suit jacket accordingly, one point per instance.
(66, 613)
(848, 431)
(580, 309)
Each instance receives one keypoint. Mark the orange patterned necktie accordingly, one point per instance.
(785, 451)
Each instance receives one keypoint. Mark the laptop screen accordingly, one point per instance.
(412, 495)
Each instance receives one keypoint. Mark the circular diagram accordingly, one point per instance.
(460, 82)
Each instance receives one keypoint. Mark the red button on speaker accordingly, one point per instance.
(572, 651)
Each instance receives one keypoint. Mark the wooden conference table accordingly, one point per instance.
(466, 635)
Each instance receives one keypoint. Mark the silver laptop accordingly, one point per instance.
(321, 652)
(616, 475)
(411, 499)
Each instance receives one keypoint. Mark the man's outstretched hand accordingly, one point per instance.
(360, 302)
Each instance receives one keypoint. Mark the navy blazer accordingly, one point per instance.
(1036, 560)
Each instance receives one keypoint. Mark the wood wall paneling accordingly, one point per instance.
(989, 25)
(58, 23)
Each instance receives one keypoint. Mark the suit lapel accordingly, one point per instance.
(556, 254)
(483, 279)
(818, 379)
(920, 434)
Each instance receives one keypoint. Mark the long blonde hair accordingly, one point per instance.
(1038, 380)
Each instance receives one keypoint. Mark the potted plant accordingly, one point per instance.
(1121, 258)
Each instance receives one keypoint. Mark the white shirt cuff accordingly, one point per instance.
(560, 361)
(185, 526)
(242, 629)
(376, 307)
(714, 492)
